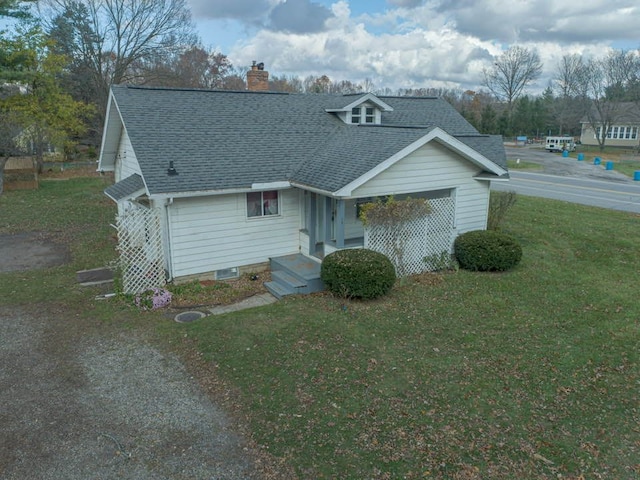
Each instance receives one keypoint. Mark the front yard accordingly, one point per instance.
(532, 373)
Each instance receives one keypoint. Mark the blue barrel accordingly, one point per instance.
(636, 175)
(565, 154)
(596, 161)
(580, 157)
(609, 165)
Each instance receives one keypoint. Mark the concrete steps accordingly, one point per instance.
(294, 274)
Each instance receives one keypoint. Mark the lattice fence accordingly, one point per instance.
(140, 246)
(418, 246)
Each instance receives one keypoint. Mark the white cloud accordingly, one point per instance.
(413, 59)
(442, 43)
(539, 20)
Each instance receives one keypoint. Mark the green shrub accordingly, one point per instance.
(487, 250)
(499, 205)
(358, 273)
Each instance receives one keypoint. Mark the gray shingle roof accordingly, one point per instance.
(221, 140)
(125, 188)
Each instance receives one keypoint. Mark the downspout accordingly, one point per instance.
(167, 216)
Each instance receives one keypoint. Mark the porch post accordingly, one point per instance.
(339, 223)
(311, 223)
(328, 218)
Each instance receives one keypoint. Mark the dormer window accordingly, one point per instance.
(365, 110)
(363, 115)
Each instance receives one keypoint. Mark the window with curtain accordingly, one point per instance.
(262, 204)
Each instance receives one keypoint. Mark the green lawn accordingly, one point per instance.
(532, 373)
(521, 165)
(528, 374)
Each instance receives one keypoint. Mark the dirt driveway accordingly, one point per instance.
(105, 405)
(81, 399)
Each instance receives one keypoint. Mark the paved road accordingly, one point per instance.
(572, 181)
(587, 191)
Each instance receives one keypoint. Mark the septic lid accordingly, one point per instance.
(186, 317)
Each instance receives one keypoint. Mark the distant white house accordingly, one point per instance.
(621, 130)
(238, 178)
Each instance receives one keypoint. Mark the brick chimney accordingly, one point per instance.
(257, 78)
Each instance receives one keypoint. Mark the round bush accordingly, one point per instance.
(358, 273)
(487, 251)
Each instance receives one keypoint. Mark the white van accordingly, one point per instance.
(560, 144)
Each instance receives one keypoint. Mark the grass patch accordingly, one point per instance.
(522, 165)
(73, 212)
(222, 292)
(532, 373)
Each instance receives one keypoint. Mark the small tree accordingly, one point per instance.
(396, 217)
(45, 114)
(499, 204)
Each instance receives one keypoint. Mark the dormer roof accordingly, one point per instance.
(368, 98)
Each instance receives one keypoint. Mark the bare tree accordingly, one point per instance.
(511, 73)
(568, 74)
(345, 87)
(320, 84)
(283, 83)
(603, 88)
(106, 38)
(568, 108)
(195, 67)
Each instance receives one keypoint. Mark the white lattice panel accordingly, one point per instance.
(140, 246)
(420, 245)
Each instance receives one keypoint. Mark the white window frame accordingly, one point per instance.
(263, 212)
(616, 132)
(365, 114)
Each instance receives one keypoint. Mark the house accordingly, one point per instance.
(622, 126)
(210, 184)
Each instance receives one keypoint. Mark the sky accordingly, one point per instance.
(411, 43)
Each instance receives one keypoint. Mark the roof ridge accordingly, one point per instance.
(193, 89)
(394, 125)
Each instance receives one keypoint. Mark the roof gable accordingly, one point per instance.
(435, 134)
(367, 98)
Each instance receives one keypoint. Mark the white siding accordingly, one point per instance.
(126, 164)
(214, 233)
(126, 161)
(435, 167)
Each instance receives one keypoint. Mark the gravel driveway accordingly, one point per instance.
(78, 404)
(555, 164)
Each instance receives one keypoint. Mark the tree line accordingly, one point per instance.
(60, 58)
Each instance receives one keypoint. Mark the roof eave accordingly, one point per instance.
(222, 191)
